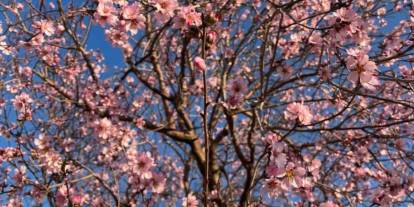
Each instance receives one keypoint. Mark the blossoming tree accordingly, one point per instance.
(216, 103)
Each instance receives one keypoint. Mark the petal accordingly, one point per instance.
(271, 170)
(370, 66)
(281, 160)
(368, 86)
(353, 76)
(374, 81)
(290, 166)
(280, 174)
(300, 171)
(297, 182)
(363, 59)
(351, 62)
(278, 148)
(365, 77)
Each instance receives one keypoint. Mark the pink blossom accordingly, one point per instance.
(61, 196)
(406, 72)
(105, 13)
(235, 100)
(38, 194)
(14, 202)
(346, 14)
(158, 183)
(328, 204)
(321, 5)
(285, 71)
(293, 176)
(382, 11)
(315, 164)
(51, 161)
(139, 123)
(298, 111)
(272, 187)
(130, 12)
(134, 25)
(118, 36)
(103, 128)
(280, 160)
(278, 147)
(26, 71)
(316, 39)
(272, 170)
(145, 163)
(271, 138)
(200, 64)
(42, 142)
(237, 85)
(135, 20)
(362, 69)
(77, 199)
(190, 201)
(211, 37)
(45, 27)
(186, 17)
(4, 48)
(19, 177)
(22, 101)
(288, 178)
(237, 89)
(37, 40)
(165, 7)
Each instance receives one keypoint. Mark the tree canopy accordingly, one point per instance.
(213, 103)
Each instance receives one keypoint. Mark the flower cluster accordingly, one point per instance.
(237, 89)
(287, 174)
(165, 9)
(362, 69)
(142, 173)
(187, 17)
(4, 48)
(122, 19)
(23, 104)
(299, 112)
